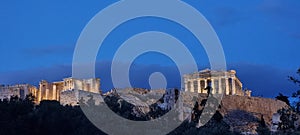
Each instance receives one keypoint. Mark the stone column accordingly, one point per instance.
(213, 91)
(58, 90)
(186, 85)
(199, 86)
(233, 86)
(227, 86)
(40, 95)
(192, 85)
(220, 86)
(54, 92)
(205, 85)
(46, 94)
(69, 85)
(72, 84)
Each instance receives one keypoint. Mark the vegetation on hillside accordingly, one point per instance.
(22, 117)
(289, 116)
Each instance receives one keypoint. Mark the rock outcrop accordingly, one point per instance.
(256, 106)
(241, 113)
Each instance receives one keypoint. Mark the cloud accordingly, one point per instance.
(295, 35)
(227, 16)
(280, 8)
(265, 80)
(33, 76)
(49, 50)
(285, 14)
(138, 75)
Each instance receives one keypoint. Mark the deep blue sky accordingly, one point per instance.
(261, 40)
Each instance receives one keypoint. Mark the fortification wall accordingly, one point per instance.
(73, 97)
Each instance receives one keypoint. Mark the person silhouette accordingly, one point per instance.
(209, 89)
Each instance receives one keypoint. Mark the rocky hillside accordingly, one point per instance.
(243, 113)
(256, 106)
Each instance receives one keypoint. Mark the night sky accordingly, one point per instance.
(261, 40)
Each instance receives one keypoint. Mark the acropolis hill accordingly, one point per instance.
(235, 104)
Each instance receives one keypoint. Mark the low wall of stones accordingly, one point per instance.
(73, 97)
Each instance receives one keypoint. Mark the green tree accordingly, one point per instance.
(262, 128)
(296, 94)
(283, 98)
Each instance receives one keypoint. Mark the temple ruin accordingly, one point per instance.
(20, 90)
(53, 90)
(220, 82)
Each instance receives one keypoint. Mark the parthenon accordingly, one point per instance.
(221, 82)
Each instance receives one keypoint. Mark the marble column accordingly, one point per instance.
(192, 85)
(46, 94)
(58, 94)
(220, 86)
(213, 91)
(204, 90)
(199, 86)
(69, 85)
(186, 85)
(227, 86)
(233, 86)
(40, 95)
(54, 92)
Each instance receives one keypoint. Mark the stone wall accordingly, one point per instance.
(20, 90)
(73, 97)
(68, 97)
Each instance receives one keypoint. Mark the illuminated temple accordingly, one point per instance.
(221, 82)
(54, 90)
